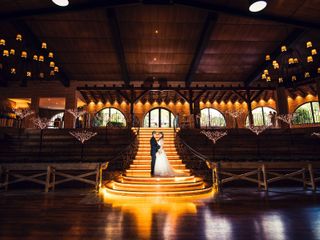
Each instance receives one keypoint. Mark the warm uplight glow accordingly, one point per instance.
(154, 59)
(257, 5)
(61, 3)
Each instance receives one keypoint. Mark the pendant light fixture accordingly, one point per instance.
(257, 5)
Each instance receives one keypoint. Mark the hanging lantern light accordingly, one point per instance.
(290, 61)
(35, 57)
(294, 78)
(283, 48)
(52, 64)
(13, 71)
(51, 73)
(29, 74)
(41, 75)
(314, 51)
(41, 58)
(268, 79)
(24, 54)
(5, 53)
(306, 74)
(309, 59)
(266, 72)
(309, 44)
(56, 69)
(263, 76)
(268, 58)
(12, 51)
(44, 45)
(50, 55)
(19, 37)
(318, 70)
(295, 60)
(280, 79)
(2, 42)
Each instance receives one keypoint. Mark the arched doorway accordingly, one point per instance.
(261, 116)
(211, 117)
(111, 116)
(159, 117)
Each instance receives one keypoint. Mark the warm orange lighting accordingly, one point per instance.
(56, 69)
(24, 54)
(44, 45)
(19, 37)
(41, 75)
(268, 79)
(309, 44)
(295, 60)
(12, 52)
(309, 59)
(29, 74)
(5, 53)
(154, 59)
(266, 72)
(294, 78)
(51, 73)
(13, 71)
(306, 74)
(35, 57)
(51, 64)
(2, 42)
(290, 61)
(156, 31)
(268, 58)
(313, 51)
(280, 80)
(283, 49)
(41, 58)
(50, 55)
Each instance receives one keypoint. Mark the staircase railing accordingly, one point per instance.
(199, 163)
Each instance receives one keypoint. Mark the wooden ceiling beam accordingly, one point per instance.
(234, 11)
(35, 43)
(85, 96)
(201, 46)
(291, 38)
(255, 97)
(118, 45)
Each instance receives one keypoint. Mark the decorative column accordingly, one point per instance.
(132, 107)
(71, 103)
(196, 112)
(191, 109)
(282, 104)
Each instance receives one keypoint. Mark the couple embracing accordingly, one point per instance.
(160, 166)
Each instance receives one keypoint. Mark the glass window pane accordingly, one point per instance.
(154, 115)
(211, 117)
(316, 112)
(109, 116)
(164, 118)
(146, 120)
(303, 114)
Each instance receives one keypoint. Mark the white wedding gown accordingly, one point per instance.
(162, 167)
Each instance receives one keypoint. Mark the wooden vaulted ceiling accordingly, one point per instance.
(211, 42)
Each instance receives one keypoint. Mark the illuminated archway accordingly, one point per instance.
(211, 117)
(110, 116)
(159, 117)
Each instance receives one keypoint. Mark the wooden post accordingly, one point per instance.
(304, 179)
(47, 187)
(53, 170)
(248, 101)
(98, 171)
(282, 105)
(265, 177)
(259, 179)
(312, 182)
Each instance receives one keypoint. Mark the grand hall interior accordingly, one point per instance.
(160, 119)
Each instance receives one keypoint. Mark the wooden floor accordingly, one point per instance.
(236, 214)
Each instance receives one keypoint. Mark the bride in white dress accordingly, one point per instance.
(162, 166)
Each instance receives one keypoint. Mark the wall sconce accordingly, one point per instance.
(24, 54)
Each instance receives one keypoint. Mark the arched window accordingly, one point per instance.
(110, 116)
(159, 117)
(307, 113)
(261, 116)
(56, 121)
(211, 117)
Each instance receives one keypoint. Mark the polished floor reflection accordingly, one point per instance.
(236, 214)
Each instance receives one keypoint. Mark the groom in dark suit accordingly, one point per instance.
(154, 148)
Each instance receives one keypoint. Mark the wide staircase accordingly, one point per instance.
(137, 180)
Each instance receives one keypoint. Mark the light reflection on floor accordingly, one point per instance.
(145, 208)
